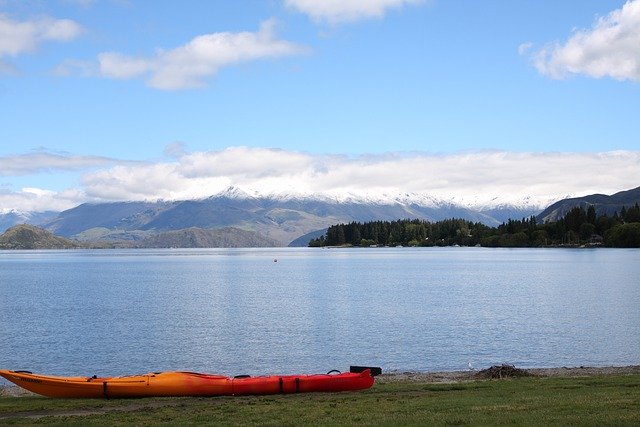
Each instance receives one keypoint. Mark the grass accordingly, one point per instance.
(606, 400)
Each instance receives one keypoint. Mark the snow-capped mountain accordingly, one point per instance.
(285, 216)
(280, 216)
(475, 202)
(12, 217)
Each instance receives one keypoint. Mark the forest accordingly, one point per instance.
(579, 227)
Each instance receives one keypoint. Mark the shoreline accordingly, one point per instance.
(472, 375)
(440, 377)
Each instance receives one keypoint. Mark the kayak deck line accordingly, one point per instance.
(182, 383)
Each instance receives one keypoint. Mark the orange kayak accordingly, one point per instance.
(189, 384)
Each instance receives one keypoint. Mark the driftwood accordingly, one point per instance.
(502, 371)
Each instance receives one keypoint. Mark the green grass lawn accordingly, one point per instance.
(606, 400)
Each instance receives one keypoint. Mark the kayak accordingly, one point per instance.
(156, 384)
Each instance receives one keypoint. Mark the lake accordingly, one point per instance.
(301, 310)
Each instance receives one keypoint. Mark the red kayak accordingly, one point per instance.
(191, 384)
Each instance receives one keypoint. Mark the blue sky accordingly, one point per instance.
(118, 100)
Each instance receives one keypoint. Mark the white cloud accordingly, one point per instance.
(40, 200)
(189, 65)
(257, 163)
(610, 48)
(524, 48)
(18, 37)
(42, 161)
(474, 178)
(339, 11)
(118, 66)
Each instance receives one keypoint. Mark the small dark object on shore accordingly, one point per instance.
(502, 371)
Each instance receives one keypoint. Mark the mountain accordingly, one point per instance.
(603, 204)
(13, 217)
(235, 218)
(278, 219)
(30, 237)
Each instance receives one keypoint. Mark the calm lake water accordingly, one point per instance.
(236, 311)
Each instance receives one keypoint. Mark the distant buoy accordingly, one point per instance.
(275, 260)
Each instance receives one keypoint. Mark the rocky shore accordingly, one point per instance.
(471, 375)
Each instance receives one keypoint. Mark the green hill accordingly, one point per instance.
(195, 237)
(30, 237)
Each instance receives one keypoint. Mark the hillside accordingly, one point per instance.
(30, 237)
(201, 238)
(117, 215)
(603, 204)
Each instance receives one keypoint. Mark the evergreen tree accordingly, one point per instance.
(591, 215)
(576, 227)
(632, 214)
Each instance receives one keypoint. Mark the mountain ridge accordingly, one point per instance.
(603, 204)
(278, 218)
(238, 219)
(282, 219)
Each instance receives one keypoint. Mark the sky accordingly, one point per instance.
(468, 100)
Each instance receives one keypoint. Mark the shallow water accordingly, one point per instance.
(237, 311)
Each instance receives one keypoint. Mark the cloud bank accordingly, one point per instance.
(610, 48)
(37, 162)
(18, 37)
(188, 66)
(39, 200)
(341, 11)
(476, 179)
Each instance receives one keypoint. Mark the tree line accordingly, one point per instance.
(577, 228)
